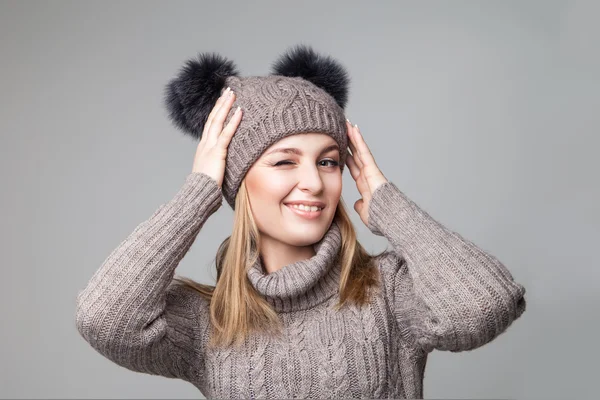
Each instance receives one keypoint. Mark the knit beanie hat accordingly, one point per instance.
(305, 92)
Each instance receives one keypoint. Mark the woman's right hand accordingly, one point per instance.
(212, 149)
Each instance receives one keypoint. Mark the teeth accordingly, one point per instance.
(306, 208)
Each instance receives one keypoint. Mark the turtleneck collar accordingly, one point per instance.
(305, 283)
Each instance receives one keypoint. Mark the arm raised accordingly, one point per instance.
(131, 311)
(447, 293)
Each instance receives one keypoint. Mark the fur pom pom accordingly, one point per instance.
(321, 70)
(191, 95)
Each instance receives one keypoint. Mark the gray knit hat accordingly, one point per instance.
(305, 92)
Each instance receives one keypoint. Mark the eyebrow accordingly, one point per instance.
(293, 150)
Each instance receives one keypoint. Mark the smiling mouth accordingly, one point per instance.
(305, 213)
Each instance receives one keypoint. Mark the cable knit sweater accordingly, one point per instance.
(439, 291)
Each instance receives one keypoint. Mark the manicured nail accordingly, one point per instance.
(237, 110)
(356, 126)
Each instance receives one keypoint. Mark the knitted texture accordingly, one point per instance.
(274, 107)
(439, 291)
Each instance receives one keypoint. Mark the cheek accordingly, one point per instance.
(334, 185)
(270, 190)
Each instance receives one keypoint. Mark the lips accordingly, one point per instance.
(304, 214)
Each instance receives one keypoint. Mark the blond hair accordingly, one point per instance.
(236, 308)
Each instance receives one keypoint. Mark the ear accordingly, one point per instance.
(191, 95)
(321, 70)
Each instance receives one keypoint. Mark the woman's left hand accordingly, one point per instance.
(364, 171)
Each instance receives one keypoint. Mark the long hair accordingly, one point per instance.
(237, 309)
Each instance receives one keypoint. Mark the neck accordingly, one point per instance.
(276, 254)
(304, 283)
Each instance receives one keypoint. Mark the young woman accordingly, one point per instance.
(299, 309)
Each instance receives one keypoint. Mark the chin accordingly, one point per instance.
(305, 234)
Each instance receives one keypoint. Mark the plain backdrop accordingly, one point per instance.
(485, 113)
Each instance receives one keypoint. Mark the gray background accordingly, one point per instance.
(484, 113)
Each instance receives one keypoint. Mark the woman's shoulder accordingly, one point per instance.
(392, 268)
(187, 300)
(388, 263)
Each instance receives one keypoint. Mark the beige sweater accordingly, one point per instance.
(440, 291)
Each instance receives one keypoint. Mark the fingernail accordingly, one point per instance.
(226, 91)
(348, 121)
(356, 126)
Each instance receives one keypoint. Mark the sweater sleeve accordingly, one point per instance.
(131, 311)
(446, 293)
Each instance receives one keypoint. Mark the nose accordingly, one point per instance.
(309, 179)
